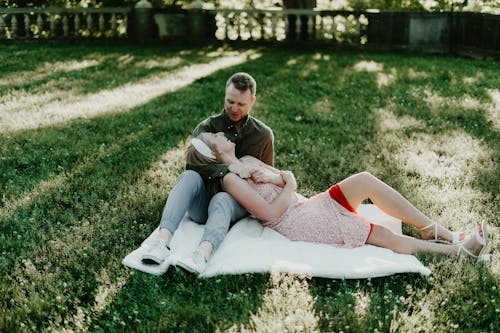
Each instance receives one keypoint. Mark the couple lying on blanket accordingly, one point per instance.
(329, 217)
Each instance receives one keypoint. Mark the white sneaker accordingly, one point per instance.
(195, 263)
(157, 253)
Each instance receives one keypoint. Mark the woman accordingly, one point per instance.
(329, 217)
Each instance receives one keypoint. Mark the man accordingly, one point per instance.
(199, 192)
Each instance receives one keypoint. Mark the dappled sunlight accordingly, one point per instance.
(386, 79)
(469, 80)
(160, 177)
(287, 306)
(322, 106)
(493, 110)
(388, 121)
(105, 294)
(321, 56)
(159, 63)
(452, 155)
(48, 186)
(120, 99)
(435, 102)
(308, 69)
(414, 74)
(43, 188)
(440, 168)
(47, 69)
(368, 66)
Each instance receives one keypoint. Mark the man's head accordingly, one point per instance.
(240, 96)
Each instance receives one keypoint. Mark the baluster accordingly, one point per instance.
(357, 28)
(262, 30)
(26, 25)
(90, 23)
(238, 25)
(125, 23)
(226, 28)
(14, 25)
(287, 25)
(250, 25)
(52, 25)
(274, 35)
(2, 25)
(65, 25)
(113, 25)
(77, 25)
(101, 24)
(298, 25)
(310, 25)
(39, 24)
(321, 27)
(346, 31)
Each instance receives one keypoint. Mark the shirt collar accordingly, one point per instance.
(244, 121)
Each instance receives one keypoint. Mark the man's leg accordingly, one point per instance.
(187, 195)
(223, 211)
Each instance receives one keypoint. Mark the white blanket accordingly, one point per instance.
(249, 247)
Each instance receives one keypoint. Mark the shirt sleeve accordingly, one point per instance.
(202, 127)
(268, 151)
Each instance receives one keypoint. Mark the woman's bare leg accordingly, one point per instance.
(384, 237)
(364, 185)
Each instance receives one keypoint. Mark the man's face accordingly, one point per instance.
(237, 104)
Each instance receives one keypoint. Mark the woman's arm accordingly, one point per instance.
(264, 173)
(254, 203)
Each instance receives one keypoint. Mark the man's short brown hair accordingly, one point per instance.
(243, 81)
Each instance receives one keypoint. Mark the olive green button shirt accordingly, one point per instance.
(253, 138)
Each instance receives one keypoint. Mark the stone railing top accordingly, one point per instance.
(57, 10)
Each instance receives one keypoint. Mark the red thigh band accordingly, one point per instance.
(337, 195)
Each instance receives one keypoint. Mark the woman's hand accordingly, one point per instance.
(261, 175)
(289, 179)
(241, 170)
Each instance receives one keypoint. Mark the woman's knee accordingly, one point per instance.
(366, 177)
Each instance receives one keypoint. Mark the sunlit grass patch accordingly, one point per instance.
(287, 306)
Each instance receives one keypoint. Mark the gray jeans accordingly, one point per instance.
(189, 195)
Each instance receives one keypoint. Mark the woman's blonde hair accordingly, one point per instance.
(195, 159)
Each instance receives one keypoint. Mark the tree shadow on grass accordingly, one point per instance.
(411, 303)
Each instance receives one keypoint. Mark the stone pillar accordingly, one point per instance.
(143, 21)
(196, 23)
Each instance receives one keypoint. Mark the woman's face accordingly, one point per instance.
(218, 141)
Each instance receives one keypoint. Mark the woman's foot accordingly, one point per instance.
(436, 233)
(475, 245)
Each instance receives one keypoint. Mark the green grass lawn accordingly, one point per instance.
(92, 139)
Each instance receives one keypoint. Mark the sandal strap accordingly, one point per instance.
(463, 248)
(435, 225)
(429, 225)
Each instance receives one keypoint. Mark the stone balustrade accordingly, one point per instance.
(428, 32)
(53, 23)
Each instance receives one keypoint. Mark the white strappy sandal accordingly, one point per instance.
(455, 235)
(483, 240)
